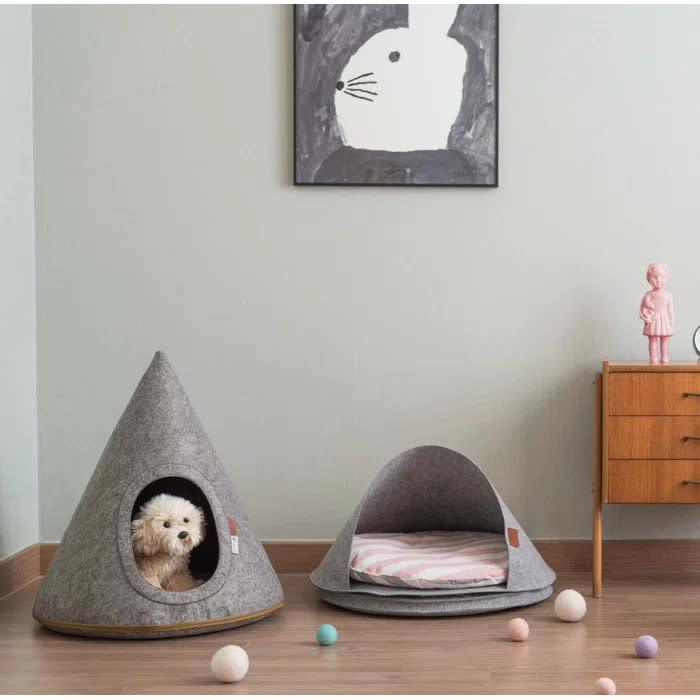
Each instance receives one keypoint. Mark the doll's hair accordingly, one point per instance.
(662, 266)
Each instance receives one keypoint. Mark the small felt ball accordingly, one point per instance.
(326, 635)
(605, 686)
(230, 664)
(570, 605)
(646, 646)
(518, 629)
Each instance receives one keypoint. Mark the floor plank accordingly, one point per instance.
(383, 655)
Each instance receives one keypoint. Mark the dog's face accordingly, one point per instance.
(167, 525)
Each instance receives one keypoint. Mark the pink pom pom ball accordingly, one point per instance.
(646, 646)
(605, 686)
(518, 629)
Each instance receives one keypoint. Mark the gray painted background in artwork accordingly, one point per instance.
(327, 36)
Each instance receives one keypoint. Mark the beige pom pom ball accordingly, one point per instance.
(570, 606)
(605, 686)
(518, 629)
(230, 664)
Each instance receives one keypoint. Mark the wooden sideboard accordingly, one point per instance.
(646, 440)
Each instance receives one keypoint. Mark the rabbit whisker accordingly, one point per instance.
(364, 82)
(357, 77)
(368, 92)
(358, 97)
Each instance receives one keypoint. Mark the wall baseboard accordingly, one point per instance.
(623, 557)
(287, 556)
(620, 557)
(19, 569)
(296, 556)
(46, 552)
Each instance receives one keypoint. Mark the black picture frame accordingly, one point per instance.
(301, 178)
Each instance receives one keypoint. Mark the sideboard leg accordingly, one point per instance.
(597, 490)
(597, 548)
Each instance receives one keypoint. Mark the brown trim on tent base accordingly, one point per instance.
(143, 631)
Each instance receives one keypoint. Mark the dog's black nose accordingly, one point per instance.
(339, 85)
(182, 534)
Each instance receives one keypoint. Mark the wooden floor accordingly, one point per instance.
(383, 655)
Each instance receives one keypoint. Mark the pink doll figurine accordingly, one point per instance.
(656, 311)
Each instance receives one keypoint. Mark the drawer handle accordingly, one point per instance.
(690, 437)
(686, 482)
(686, 394)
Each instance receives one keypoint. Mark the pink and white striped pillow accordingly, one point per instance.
(438, 559)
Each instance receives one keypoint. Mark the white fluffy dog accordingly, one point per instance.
(165, 531)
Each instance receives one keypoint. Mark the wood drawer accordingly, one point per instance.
(653, 437)
(653, 394)
(653, 481)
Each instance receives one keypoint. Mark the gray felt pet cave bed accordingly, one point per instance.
(93, 586)
(433, 489)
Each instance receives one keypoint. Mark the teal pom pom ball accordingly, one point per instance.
(326, 635)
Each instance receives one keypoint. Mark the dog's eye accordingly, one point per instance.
(166, 524)
(186, 520)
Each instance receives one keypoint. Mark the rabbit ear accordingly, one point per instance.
(432, 18)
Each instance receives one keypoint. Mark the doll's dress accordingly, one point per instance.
(661, 321)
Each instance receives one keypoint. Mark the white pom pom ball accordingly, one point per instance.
(570, 605)
(230, 664)
(605, 686)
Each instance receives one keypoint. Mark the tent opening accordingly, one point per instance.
(446, 492)
(205, 557)
(430, 522)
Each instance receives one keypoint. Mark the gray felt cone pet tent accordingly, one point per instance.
(93, 586)
(433, 489)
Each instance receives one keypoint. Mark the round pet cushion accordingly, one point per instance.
(436, 559)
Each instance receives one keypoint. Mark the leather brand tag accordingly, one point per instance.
(233, 531)
(513, 538)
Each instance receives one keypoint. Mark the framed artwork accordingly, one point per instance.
(396, 95)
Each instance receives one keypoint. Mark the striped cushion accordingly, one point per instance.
(438, 559)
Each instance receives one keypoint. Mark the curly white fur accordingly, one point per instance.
(165, 531)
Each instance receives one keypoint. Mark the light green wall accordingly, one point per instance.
(321, 331)
(19, 498)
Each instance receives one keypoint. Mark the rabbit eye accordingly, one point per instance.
(394, 56)
(166, 524)
(186, 520)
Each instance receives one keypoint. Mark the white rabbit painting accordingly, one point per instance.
(411, 78)
(396, 94)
